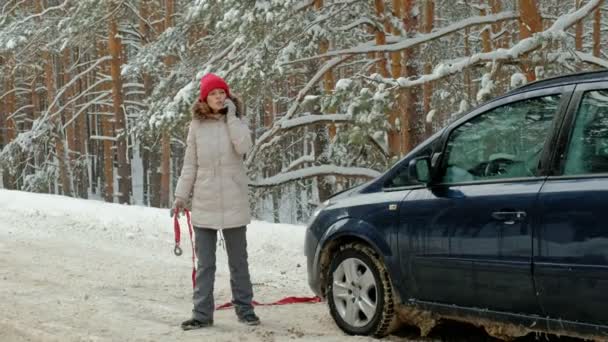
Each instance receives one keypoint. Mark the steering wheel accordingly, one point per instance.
(496, 167)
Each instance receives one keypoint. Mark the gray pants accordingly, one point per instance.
(240, 281)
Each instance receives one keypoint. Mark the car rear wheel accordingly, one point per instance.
(360, 293)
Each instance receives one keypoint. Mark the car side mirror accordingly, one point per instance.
(420, 169)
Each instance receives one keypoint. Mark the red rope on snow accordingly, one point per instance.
(284, 301)
(178, 251)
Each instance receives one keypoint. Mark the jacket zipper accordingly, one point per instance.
(219, 166)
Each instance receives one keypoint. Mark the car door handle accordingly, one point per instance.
(509, 217)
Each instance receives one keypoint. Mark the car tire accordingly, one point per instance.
(360, 293)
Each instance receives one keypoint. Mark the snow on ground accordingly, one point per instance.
(84, 270)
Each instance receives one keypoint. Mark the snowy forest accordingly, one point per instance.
(95, 95)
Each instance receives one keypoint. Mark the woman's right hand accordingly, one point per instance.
(178, 205)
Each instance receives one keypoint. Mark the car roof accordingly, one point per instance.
(580, 77)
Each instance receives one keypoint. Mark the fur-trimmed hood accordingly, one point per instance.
(201, 110)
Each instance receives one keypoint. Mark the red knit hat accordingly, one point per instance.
(210, 82)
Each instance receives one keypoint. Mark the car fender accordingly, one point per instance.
(356, 228)
(359, 229)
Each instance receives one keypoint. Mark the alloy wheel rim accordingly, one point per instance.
(354, 292)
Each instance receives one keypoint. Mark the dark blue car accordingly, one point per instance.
(500, 220)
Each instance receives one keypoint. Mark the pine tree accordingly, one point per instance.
(95, 93)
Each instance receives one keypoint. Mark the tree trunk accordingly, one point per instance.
(11, 100)
(328, 88)
(530, 22)
(486, 43)
(268, 116)
(276, 204)
(394, 141)
(81, 139)
(35, 114)
(58, 132)
(597, 29)
(8, 126)
(165, 196)
(107, 130)
(497, 27)
(468, 83)
(67, 113)
(411, 118)
(328, 78)
(427, 89)
(35, 98)
(502, 79)
(165, 170)
(124, 165)
(3, 111)
(396, 56)
(321, 135)
(108, 157)
(151, 157)
(578, 35)
(381, 38)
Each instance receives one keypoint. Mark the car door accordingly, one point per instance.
(398, 182)
(571, 242)
(468, 235)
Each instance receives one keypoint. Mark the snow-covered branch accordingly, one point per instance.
(304, 5)
(58, 7)
(19, 110)
(381, 147)
(314, 119)
(101, 137)
(523, 47)
(315, 171)
(300, 161)
(589, 58)
(420, 39)
(4, 14)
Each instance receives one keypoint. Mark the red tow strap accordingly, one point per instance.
(286, 300)
(178, 250)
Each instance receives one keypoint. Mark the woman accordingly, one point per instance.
(214, 172)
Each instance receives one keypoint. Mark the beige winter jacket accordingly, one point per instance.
(214, 172)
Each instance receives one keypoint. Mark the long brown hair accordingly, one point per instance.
(202, 111)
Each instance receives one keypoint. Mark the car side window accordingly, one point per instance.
(587, 151)
(505, 142)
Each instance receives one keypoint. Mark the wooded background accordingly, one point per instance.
(95, 95)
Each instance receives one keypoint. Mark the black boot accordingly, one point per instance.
(249, 319)
(192, 324)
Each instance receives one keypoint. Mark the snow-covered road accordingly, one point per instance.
(76, 270)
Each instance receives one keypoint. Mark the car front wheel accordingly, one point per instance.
(360, 293)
